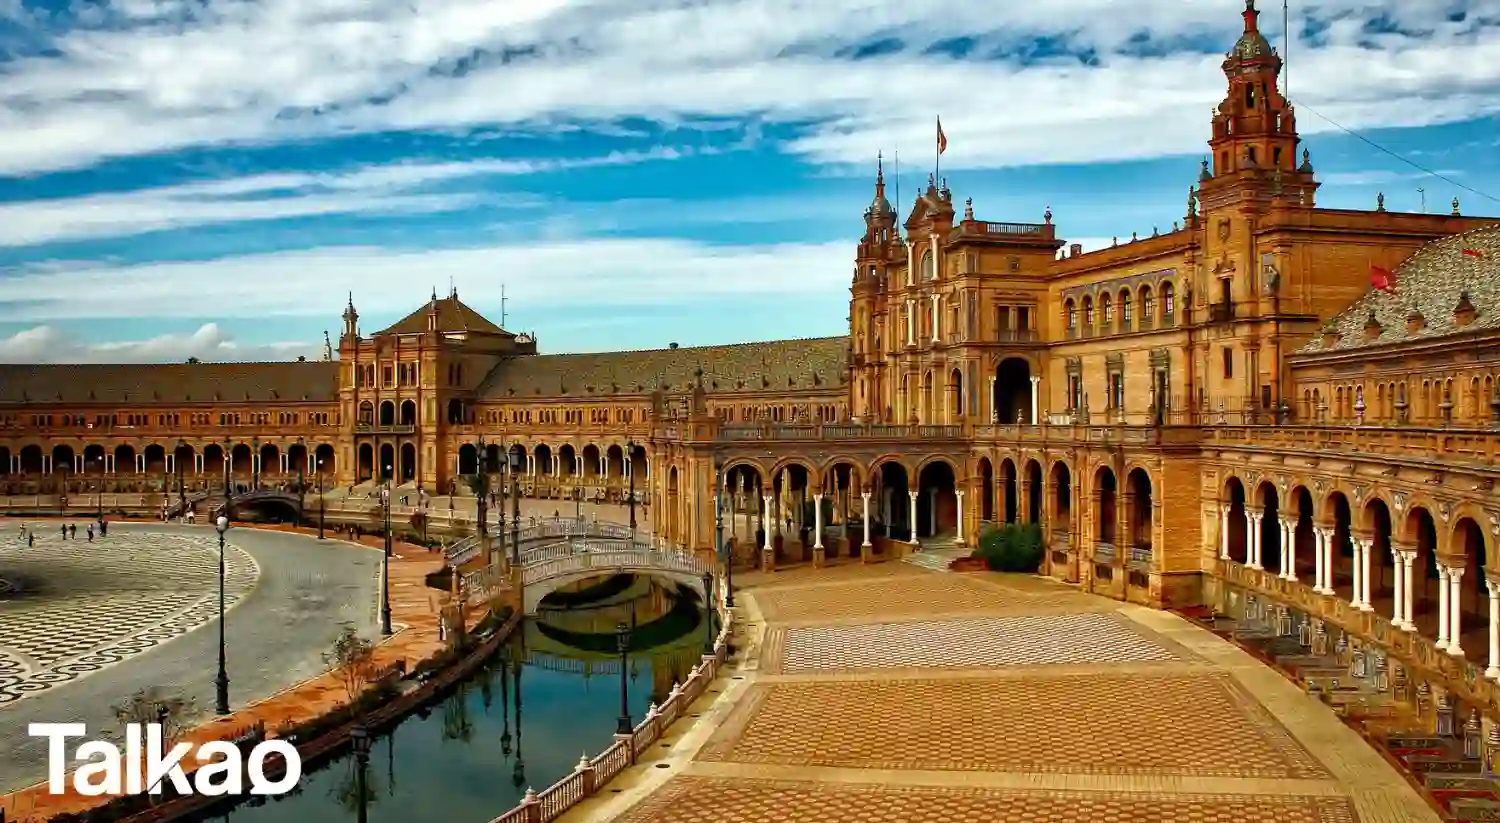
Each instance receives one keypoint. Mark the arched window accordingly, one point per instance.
(1148, 304)
(1107, 308)
(1070, 309)
(1125, 309)
(1168, 303)
(928, 272)
(1088, 311)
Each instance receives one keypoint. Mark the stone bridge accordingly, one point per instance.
(261, 497)
(539, 529)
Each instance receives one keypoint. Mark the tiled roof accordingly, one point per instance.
(115, 383)
(453, 316)
(740, 368)
(1430, 284)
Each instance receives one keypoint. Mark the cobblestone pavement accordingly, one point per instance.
(81, 606)
(944, 697)
(107, 593)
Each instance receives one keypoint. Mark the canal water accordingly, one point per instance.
(550, 695)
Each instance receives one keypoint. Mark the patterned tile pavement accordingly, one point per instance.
(84, 606)
(1197, 725)
(918, 595)
(984, 642)
(711, 800)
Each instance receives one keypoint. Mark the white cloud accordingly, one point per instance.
(48, 344)
(388, 189)
(540, 277)
(225, 71)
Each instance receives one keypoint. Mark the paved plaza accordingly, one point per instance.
(95, 622)
(910, 695)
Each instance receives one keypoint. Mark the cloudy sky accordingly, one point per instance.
(212, 178)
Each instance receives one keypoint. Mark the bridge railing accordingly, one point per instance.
(481, 585)
(590, 775)
(462, 551)
(635, 558)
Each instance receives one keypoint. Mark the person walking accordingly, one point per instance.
(30, 539)
(103, 527)
(73, 531)
(90, 530)
(65, 531)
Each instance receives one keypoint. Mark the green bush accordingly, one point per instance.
(1012, 547)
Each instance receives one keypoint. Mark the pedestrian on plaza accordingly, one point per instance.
(91, 532)
(30, 539)
(23, 530)
(103, 527)
(73, 531)
(65, 531)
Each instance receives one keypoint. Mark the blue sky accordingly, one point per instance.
(211, 178)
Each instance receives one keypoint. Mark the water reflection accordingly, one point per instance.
(465, 760)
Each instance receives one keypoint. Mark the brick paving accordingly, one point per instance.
(870, 696)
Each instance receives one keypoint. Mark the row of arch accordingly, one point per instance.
(152, 459)
(1454, 539)
(1152, 310)
(389, 414)
(609, 461)
(1431, 401)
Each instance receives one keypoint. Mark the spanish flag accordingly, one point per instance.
(942, 138)
(1381, 279)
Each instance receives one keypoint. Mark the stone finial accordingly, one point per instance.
(1174, 225)
(969, 209)
(1114, 241)
(530, 797)
(1154, 232)
(583, 762)
(1306, 161)
(1455, 208)
(1204, 173)
(1133, 237)
(1464, 313)
(1380, 201)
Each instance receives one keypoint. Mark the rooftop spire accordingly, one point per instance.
(1252, 17)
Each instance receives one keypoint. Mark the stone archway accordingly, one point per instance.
(387, 461)
(1034, 491)
(1012, 393)
(366, 463)
(1010, 495)
(937, 503)
(408, 465)
(986, 490)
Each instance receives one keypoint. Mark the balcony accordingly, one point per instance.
(776, 432)
(1220, 312)
(1018, 335)
(388, 428)
(1375, 443)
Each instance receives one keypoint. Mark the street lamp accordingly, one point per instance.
(254, 463)
(503, 468)
(221, 683)
(708, 613)
(721, 549)
(385, 561)
(359, 736)
(630, 460)
(622, 642)
(322, 509)
(181, 492)
(515, 508)
(228, 489)
(301, 491)
(481, 497)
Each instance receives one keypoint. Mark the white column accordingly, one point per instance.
(109, 463)
(818, 520)
(937, 258)
(767, 519)
(865, 496)
(989, 403)
(579, 470)
(1224, 513)
(1252, 539)
(1363, 549)
(1442, 638)
(1493, 672)
(1455, 623)
(911, 265)
(1288, 549)
(911, 320)
(1036, 392)
(1320, 569)
(913, 517)
(1398, 596)
(961, 538)
(1408, 558)
(935, 329)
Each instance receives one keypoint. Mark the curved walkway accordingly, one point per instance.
(276, 635)
(896, 693)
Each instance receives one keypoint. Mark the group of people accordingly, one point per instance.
(68, 531)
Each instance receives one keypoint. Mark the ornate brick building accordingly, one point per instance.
(1222, 412)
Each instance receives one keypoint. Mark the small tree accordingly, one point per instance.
(156, 705)
(352, 658)
(1012, 547)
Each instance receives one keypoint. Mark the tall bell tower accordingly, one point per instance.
(869, 325)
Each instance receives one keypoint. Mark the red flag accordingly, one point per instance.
(942, 138)
(1382, 279)
(1472, 253)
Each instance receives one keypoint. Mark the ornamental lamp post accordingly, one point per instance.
(622, 642)
(721, 549)
(708, 612)
(359, 736)
(481, 498)
(385, 563)
(254, 463)
(630, 461)
(322, 507)
(301, 479)
(221, 682)
(515, 508)
(228, 489)
(181, 492)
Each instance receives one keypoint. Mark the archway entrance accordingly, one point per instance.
(1012, 391)
(387, 461)
(986, 490)
(937, 505)
(408, 462)
(1008, 490)
(1034, 492)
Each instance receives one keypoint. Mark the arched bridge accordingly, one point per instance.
(537, 530)
(265, 497)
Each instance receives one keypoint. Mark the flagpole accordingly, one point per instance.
(899, 205)
(937, 154)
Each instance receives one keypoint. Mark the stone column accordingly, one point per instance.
(1224, 512)
(913, 518)
(962, 538)
(1036, 383)
(768, 551)
(1288, 549)
(935, 299)
(1398, 595)
(864, 548)
(991, 412)
(1320, 568)
(1493, 671)
(818, 551)
(1408, 594)
(1442, 638)
(1252, 538)
(1455, 623)
(1363, 548)
(911, 321)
